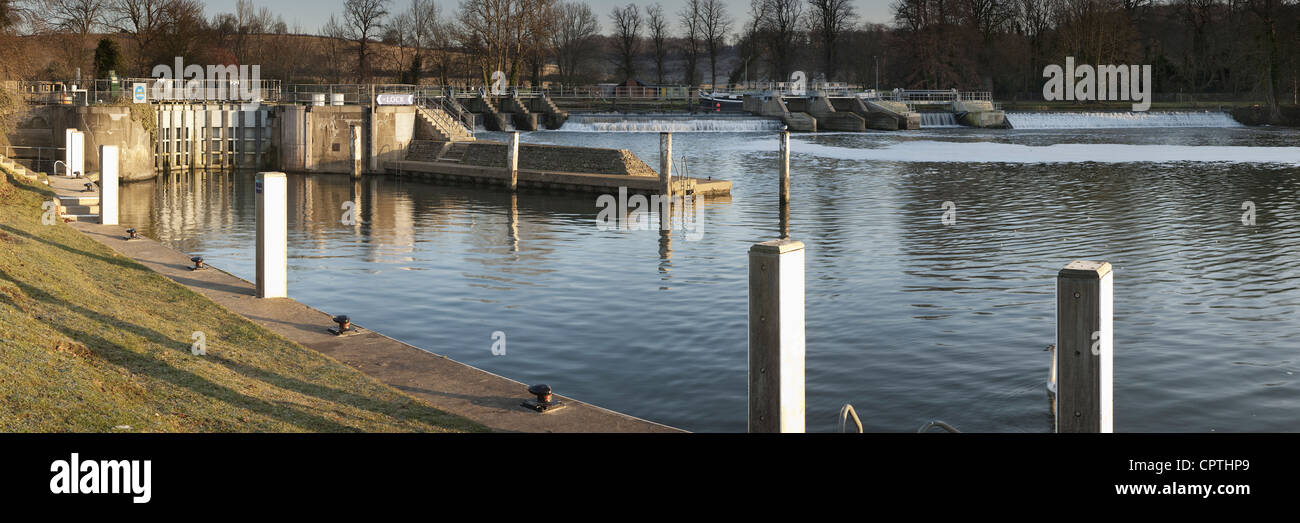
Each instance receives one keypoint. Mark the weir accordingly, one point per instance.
(1120, 120)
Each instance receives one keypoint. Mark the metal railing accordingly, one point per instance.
(937, 96)
(119, 90)
(43, 161)
(457, 112)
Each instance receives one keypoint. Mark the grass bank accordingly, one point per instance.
(91, 341)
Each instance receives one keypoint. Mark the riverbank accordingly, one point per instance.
(91, 341)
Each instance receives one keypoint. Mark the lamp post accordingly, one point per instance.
(877, 59)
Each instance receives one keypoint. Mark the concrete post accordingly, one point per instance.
(512, 160)
(67, 150)
(355, 148)
(74, 152)
(1084, 347)
(272, 235)
(108, 166)
(776, 336)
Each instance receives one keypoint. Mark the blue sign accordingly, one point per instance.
(138, 93)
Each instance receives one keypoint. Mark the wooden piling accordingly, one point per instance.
(784, 166)
(1084, 347)
(354, 148)
(512, 160)
(776, 336)
(666, 180)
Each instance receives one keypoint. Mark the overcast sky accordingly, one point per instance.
(310, 15)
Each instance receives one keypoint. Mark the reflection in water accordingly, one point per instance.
(907, 318)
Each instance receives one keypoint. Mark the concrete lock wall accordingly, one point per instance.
(212, 135)
(105, 125)
(559, 158)
(316, 138)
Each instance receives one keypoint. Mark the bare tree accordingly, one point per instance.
(573, 40)
(830, 19)
(77, 20)
(780, 30)
(658, 39)
(715, 24)
(142, 21)
(503, 35)
(692, 15)
(627, 38)
(335, 45)
(362, 20)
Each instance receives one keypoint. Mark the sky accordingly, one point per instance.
(310, 15)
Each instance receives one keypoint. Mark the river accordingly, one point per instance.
(908, 319)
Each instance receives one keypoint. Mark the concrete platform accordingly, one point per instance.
(75, 202)
(578, 182)
(445, 384)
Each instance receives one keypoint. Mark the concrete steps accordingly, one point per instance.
(453, 153)
(424, 150)
(555, 117)
(440, 126)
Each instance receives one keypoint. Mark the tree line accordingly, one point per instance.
(1241, 49)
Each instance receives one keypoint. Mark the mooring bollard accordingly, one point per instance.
(1084, 347)
(776, 336)
(512, 160)
(355, 149)
(272, 234)
(108, 184)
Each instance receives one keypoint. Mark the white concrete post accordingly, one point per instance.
(1084, 347)
(272, 235)
(74, 154)
(512, 160)
(67, 150)
(355, 148)
(776, 336)
(108, 166)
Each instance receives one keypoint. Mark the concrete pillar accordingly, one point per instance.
(776, 336)
(272, 235)
(512, 160)
(108, 176)
(74, 152)
(354, 146)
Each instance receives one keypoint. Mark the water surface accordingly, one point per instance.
(908, 319)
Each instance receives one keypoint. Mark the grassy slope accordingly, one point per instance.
(91, 340)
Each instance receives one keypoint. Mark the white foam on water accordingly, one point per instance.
(940, 120)
(989, 152)
(651, 124)
(1119, 120)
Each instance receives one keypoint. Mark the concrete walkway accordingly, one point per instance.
(453, 387)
